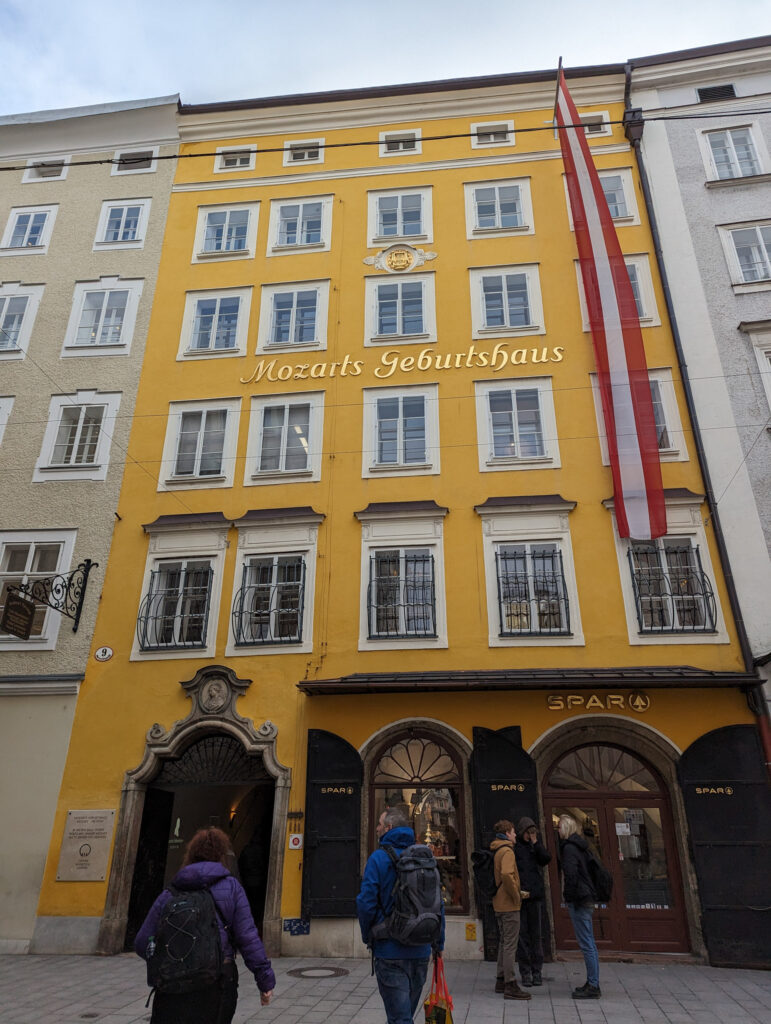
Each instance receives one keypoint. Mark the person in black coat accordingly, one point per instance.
(531, 856)
(580, 897)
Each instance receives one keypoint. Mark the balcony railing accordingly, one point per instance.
(401, 599)
(673, 598)
(269, 613)
(175, 611)
(532, 597)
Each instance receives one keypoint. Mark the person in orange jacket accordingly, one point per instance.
(507, 903)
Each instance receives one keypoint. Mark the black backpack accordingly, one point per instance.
(416, 917)
(483, 865)
(188, 952)
(601, 878)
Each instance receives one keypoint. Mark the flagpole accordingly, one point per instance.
(556, 98)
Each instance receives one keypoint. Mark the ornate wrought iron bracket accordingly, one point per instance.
(64, 592)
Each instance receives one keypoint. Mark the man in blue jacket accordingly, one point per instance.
(401, 970)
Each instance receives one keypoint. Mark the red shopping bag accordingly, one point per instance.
(438, 1006)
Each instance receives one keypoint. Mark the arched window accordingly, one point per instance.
(602, 767)
(423, 778)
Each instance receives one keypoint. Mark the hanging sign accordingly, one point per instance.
(18, 615)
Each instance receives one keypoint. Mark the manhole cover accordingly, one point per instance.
(318, 972)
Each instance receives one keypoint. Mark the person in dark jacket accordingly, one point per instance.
(401, 970)
(580, 898)
(531, 856)
(203, 868)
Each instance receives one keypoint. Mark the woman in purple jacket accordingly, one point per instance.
(203, 868)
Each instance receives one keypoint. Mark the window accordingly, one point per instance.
(103, 317)
(710, 93)
(226, 232)
(273, 603)
(669, 431)
(28, 230)
(672, 592)
(123, 225)
(499, 208)
(51, 169)
(489, 134)
(215, 323)
(759, 332)
(293, 316)
(400, 308)
(397, 143)
(641, 281)
(235, 158)
(515, 424)
(285, 437)
(76, 443)
(18, 308)
(401, 431)
(733, 153)
(200, 444)
(596, 123)
(6, 405)
(402, 576)
(135, 161)
(506, 301)
(619, 190)
(300, 224)
(303, 151)
(529, 572)
(752, 248)
(24, 558)
(396, 215)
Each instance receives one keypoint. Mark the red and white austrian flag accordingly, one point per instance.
(618, 347)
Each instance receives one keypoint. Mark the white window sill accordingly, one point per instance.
(513, 460)
(515, 229)
(180, 481)
(743, 287)
(297, 246)
(385, 338)
(282, 474)
(207, 353)
(745, 179)
(628, 218)
(23, 250)
(220, 254)
(11, 353)
(389, 239)
(493, 331)
(134, 243)
(88, 350)
(290, 346)
(400, 467)
(86, 467)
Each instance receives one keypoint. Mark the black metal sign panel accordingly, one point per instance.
(18, 615)
(333, 824)
(728, 805)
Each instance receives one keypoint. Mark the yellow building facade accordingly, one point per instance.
(365, 551)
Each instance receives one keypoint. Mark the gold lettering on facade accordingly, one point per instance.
(345, 790)
(715, 790)
(507, 787)
(636, 701)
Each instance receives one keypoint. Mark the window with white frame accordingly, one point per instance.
(399, 143)
(596, 123)
(48, 169)
(6, 405)
(666, 417)
(506, 301)
(76, 443)
(530, 576)
(293, 316)
(122, 224)
(300, 224)
(18, 309)
(639, 270)
(498, 208)
(28, 230)
(303, 151)
(103, 316)
(235, 158)
(401, 431)
(759, 332)
(750, 249)
(404, 214)
(619, 191)
(400, 307)
(285, 438)
(25, 557)
(489, 134)
(200, 446)
(226, 232)
(135, 161)
(402, 583)
(516, 426)
(734, 153)
(215, 323)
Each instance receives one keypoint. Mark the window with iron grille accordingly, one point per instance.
(672, 592)
(268, 608)
(532, 596)
(174, 613)
(401, 598)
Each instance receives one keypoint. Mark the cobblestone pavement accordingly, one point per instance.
(111, 990)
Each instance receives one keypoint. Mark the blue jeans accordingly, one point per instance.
(581, 916)
(400, 983)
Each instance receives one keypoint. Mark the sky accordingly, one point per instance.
(80, 52)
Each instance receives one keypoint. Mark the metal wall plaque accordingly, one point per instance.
(86, 846)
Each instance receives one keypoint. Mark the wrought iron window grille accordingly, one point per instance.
(266, 611)
(64, 592)
(672, 592)
(175, 611)
(532, 596)
(401, 596)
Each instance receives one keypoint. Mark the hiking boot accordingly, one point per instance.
(527, 976)
(500, 984)
(581, 988)
(512, 991)
(587, 992)
(537, 978)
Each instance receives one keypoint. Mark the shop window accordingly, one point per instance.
(423, 779)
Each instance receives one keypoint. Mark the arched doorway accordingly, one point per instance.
(622, 807)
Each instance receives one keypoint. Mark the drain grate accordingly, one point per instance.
(317, 972)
